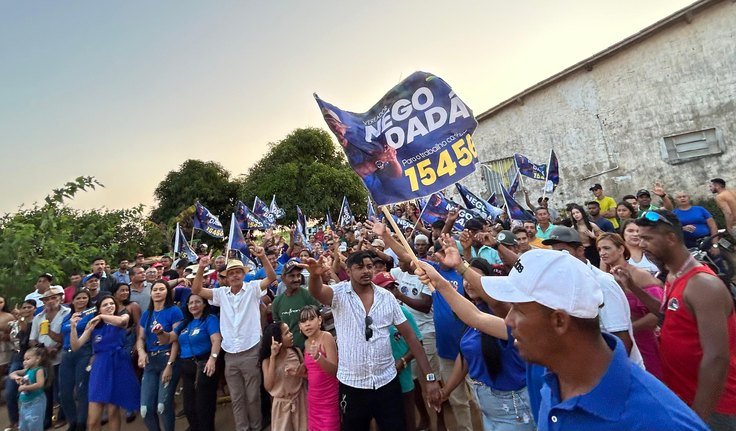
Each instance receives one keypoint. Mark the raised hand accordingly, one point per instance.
(314, 266)
(275, 348)
(259, 252)
(204, 261)
(376, 227)
(466, 239)
(659, 189)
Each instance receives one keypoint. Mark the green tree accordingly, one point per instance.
(207, 182)
(57, 239)
(307, 169)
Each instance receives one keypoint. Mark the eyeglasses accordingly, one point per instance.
(655, 217)
(368, 329)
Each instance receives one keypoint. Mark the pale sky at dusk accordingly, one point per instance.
(127, 91)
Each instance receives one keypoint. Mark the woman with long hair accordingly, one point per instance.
(199, 339)
(588, 231)
(624, 211)
(496, 372)
(282, 377)
(6, 346)
(638, 258)
(20, 332)
(157, 358)
(73, 374)
(615, 254)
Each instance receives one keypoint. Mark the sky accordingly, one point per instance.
(127, 91)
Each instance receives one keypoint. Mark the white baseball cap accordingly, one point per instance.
(554, 279)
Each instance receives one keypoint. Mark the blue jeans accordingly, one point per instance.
(11, 389)
(503, 410)
(32, 414)
(73, 384)
(157, 398)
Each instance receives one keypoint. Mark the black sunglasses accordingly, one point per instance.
(368, 329)
(655, 217)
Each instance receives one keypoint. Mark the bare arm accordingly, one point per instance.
(723, 204)
(40, 382)
(457, 375)
(319, 291)
(712, 227)
(433, 388)
(198, 283)
(624, 278)
(646, 322)
(120, 321)
(328, 361)
(76, 340)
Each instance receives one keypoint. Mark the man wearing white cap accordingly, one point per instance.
(590, 383)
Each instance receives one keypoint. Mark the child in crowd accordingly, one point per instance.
(31, 382)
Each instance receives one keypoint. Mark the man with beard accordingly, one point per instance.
(286, 306)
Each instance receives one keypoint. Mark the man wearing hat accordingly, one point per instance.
(240, 326)
(286, 305)
(607, 204)
(91, 283)
(587, 381)
(644, 200)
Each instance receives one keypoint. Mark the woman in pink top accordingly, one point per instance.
(615, 254)
(320, 362)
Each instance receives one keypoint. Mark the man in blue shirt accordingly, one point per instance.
(590, 383)
(594, 211)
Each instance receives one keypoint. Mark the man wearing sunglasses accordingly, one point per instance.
(698, 337)
(363, 313)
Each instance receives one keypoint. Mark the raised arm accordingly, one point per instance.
(198, 283)
(260, 253)
(78, 341)
(319, 291)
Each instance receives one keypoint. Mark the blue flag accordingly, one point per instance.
(346, 216)
(328, 221)
(261, 210)
(301, 228)
(437, 207)
(473, 202)
(529, 169)
(247, 220)
(515, 211)
(553, 173)
(493, 200)
(275, 209)
(415, 141)
(182, 250)
(207, 222)
(371, 210)
(515, 185)
(236, 241)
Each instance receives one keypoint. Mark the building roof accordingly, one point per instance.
(686, 14)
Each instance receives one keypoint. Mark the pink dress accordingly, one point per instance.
(323, 412)
(646, 340)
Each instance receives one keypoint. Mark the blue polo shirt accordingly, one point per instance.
(66, 328)
(448, 328)
(194, 338)
(626, 398)
(167, 317)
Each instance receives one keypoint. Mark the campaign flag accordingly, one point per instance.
(247, 219)
(205, 221)
(553, 173)
(371, 210)
(473, 202)
(493, 200)
(328, 221)
(415, 141)
(437, 207)
(346, 216)
(529, 169)
(182, 250)
(515, 211)
(261, 210)
(277, 211)
(301, 228)
(515, 185)
(236, 241)
(402, 222)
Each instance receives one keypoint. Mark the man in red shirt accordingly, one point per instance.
(75, 280)
(698, 338)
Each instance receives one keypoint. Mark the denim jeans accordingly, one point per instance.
(503, 410)
(32, 414)
(157, 398)
(73, 384)
(11, 389)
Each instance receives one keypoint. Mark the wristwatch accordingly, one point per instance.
(214, 355)
(464, 267)
(431, 377)
(170, 363)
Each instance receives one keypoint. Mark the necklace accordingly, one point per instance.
(684, 266)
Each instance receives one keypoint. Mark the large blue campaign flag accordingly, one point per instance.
(207, 222)
(277, 211)
(261, 210)
(346, 216)
(437, 207)
(247, 220)
(236, 241)
(515, 211)
(182, 250)
(415, 141)
(473, 202)
(529, 169)
(553, 173)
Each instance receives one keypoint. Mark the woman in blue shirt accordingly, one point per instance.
(497, 372)
(199, 339)
(157, 352)
(73, 374)
(696, 221)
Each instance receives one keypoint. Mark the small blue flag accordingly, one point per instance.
(493, 200)
(182, 250)
(553, 173)
(437, 207)
(515, 211)
(529, 169)
(328, 222)
(275, 209)
(473, 202)
(301, 228)
(515, 185)
(261, 210)
(371, 210)
(207, 222)
(247, 220)
(236, 241)
(346, 216)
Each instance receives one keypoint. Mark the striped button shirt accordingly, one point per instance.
(364, 364)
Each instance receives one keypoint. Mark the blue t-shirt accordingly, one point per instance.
(260, 273)
(194, 338)
(66, 328)
(512, 376)
(698, 217)
(448, 328)
(626, 398)
(167, 318)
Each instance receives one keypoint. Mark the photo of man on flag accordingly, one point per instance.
(182, 250)
(529, 169)
(207, 222)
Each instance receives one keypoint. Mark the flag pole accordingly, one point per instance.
(403, 240)
(229, 238)
(419, 219)
(191, 240)
(521, 177)
(176, 241)
(546, 175)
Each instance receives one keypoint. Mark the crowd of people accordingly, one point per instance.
(596, 319)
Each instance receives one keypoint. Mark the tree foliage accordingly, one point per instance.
(207, 182)
(306, 169)
(57, 239)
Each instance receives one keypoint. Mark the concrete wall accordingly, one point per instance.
(679, 80)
